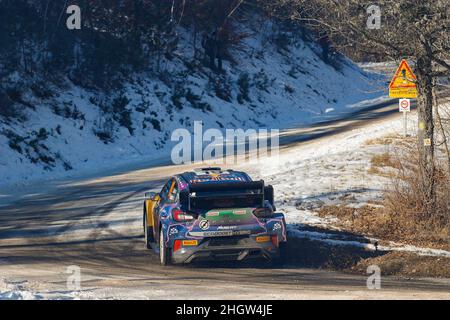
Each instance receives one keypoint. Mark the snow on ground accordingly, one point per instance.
(334, 171)
(304, 178)
(286, 87)
(328, 171)
(16, 291)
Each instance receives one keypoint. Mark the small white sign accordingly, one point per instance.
(404, 105)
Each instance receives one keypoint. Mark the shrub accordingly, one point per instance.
(289, 89)
(41, 90)
(282, 40)
(122, 114)
(196, 101)
(42, 134)
(261, 81)
(156, 124)
(244, 88)
(105, 130)
(14, 144)
(407, 203)
(178, 94)
(7, 107)
(221, 87)
(403, 215)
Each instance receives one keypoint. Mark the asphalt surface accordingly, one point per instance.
(94, 223)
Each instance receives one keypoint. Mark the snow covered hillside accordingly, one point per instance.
(65, 130)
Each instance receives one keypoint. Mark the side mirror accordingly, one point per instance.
(151, 195)
(269, 195)
(184, 199)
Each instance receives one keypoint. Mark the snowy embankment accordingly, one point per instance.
(76, 131)
(335, 171)
(11, 291)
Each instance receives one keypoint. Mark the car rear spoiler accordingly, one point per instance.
(238, 189)
(228, 186)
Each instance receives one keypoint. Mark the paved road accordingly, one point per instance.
(95, 224)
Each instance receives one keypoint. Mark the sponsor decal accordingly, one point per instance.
(204, 224)
(226, 227)
(190, 243)
(277, 226)
(183, 185)
(219, 178)
(224, 233)
(263, 239)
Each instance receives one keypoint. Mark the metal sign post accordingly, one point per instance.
(405, 123)
(404, 105)
(403, 85)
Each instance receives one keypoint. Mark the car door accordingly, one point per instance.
(159, 207)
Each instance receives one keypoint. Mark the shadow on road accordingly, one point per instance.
(310, 252)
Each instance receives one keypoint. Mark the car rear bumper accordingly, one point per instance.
(226, 248)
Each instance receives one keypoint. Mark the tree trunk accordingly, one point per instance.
(426, 87)
(195, 38)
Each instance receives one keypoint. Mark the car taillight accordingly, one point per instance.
(274, 240)
(262, 212)
(180, 215)
(176, 245)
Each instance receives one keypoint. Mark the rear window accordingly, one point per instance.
(223, 202)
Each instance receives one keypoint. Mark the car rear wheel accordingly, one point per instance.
(165, 254)
(148, 234)
(282, 258)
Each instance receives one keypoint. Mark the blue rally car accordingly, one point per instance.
(214, 214)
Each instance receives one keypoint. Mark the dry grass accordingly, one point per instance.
(408, 203)
(407, 264)
(405, 215)
(376, 171)
(380, 223)
(380, 162)
(391, 139)
(383, 160)
(384, 140)
(368, 220)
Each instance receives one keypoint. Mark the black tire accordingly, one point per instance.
(148, 234)
(281, 260)
(165, 254)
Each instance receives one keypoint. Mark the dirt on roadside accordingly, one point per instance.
(372, 220)
(406, 264)
(306, 253)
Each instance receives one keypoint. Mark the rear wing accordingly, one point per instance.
(254, 192)
(227, 186)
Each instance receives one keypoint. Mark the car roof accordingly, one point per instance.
(213, 175)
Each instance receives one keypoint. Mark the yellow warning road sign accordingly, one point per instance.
(403, 84)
